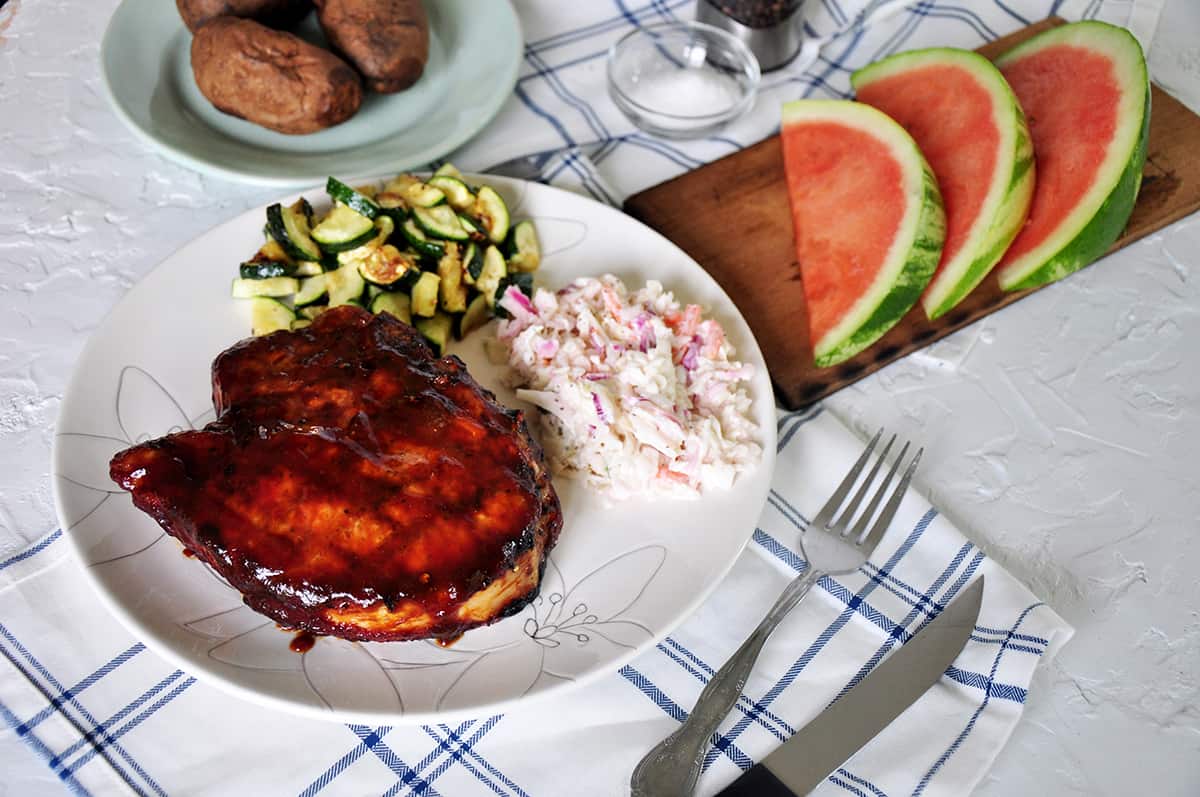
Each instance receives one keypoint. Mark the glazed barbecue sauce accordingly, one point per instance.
(351, 482)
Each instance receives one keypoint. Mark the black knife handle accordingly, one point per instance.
(758, 781)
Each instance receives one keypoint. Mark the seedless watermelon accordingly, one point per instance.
(1086, 94)
(868, 221)
(964, 117)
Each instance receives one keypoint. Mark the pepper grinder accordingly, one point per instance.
(770, 28)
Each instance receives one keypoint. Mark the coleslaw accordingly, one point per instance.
(642, 396)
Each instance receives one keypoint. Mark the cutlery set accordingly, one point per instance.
(839, 540)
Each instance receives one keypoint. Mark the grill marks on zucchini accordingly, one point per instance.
(387, 265)
(437, 253)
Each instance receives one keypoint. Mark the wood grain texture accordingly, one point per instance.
(733, 217)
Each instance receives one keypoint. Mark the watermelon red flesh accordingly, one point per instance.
(850, 183)
(867, 217)
(1085, 92)
(966, 121)
(949, 115)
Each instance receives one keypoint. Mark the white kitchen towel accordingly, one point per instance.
(110, 717)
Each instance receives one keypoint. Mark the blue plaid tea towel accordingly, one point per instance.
(110, 717)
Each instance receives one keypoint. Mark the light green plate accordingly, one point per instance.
(474, 52)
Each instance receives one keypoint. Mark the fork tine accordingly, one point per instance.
(840, 525)
(869, 512)
(823, 517)
(889, 511)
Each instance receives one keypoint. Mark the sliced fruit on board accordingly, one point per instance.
(867, 217)
(958, 108)
(1086, 94)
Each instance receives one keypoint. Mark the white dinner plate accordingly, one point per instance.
(474, 52)
(620, 578)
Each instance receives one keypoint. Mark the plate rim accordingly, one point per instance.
(768, 436)
(299, 177)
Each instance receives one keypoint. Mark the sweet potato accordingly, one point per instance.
(272, 13)
(272, 78)
(386, 40)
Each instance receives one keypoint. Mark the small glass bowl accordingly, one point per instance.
(682, 79)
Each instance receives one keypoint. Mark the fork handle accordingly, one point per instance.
(673, 765)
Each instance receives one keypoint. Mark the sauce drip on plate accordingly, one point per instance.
(302, 642)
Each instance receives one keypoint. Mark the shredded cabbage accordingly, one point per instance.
(641, 395)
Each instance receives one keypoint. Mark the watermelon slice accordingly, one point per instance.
(965, 119)
(868, 221)
(1086, 94)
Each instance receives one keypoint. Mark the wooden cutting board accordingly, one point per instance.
(733, 217)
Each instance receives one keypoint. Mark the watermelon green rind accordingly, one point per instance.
(914, 274)
(1100, 233)
(1095, 223)
(1008, 197)
(914, 253)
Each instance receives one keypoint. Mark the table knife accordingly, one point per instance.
(820, 747)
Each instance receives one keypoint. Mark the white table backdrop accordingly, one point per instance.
(1061, 433)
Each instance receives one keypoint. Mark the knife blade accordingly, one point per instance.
(801, 763)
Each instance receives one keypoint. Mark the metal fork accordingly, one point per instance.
(673, 765)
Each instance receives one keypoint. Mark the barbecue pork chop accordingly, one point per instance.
(354, 486)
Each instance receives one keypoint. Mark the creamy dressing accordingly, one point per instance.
(642, 396)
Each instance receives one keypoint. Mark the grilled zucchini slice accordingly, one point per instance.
(265, 269)
(355, 200)
(436, 331)
(452, 294)
(387, 265)
(344, 228)
(273, 286)
(269, 315)
(490, 275)
(492, 214)
(420, 242)
(290, 227)
(440, 222)
(425, 295)
(472, 260)
(398, 304)
(312, 290)
(478, 313)
(524, 249)
(345, 285)
(458, 195)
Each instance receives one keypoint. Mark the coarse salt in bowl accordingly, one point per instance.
(682, 79)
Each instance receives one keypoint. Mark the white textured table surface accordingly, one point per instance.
(1061, 433)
